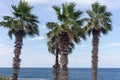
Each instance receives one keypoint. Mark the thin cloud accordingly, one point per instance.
(106, 60)
(41, 46)
(0, 38)
(2, 45)
(113, 4)
(38, 38)
(114, 44)
(109, 45)
(83, 3)
(36, 1)
(61, 1)
(43, 27)
(80, 1)
(26, 58)
(5, 49)
(82, 46)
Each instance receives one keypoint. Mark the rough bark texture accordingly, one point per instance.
(64, 69)
(16, 59)
(56, 67)
(56, 71)
(64, 44)
(95, 42)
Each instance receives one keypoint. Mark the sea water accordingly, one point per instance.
(74, 73)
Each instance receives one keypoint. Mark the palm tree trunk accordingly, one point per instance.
(64, 69)
(95, 42)
(56, 67)
(16, 59)
(64, 44)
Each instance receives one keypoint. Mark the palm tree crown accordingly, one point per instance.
(99, 19)
(69, 21)
(22, 21)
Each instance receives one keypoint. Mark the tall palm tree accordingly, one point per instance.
(99, 21)
(53, 47)
(68, 31)
(21, 24)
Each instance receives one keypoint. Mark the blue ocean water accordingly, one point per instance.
(74, 73)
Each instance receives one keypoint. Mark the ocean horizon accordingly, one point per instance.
(74, 73)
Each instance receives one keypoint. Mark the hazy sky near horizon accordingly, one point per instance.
(35, 51)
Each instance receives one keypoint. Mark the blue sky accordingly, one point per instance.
(35, 52)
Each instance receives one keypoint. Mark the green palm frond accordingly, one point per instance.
(51, 25)
(71, 7)
(102, 9)
(58, 12)
(95, 7)
(10, 33)
(72, 45)
(23, 8)
(90, 13)
(8, 21)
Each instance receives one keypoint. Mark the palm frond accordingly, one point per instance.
(90, 13)
(102, 9)
(95, 7)
(10, 33)
(51, 25)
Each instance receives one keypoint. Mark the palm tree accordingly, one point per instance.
(68, 31)
(53, 47)
(99, 21)
(21, 24)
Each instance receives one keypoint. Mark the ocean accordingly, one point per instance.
(74, 73)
